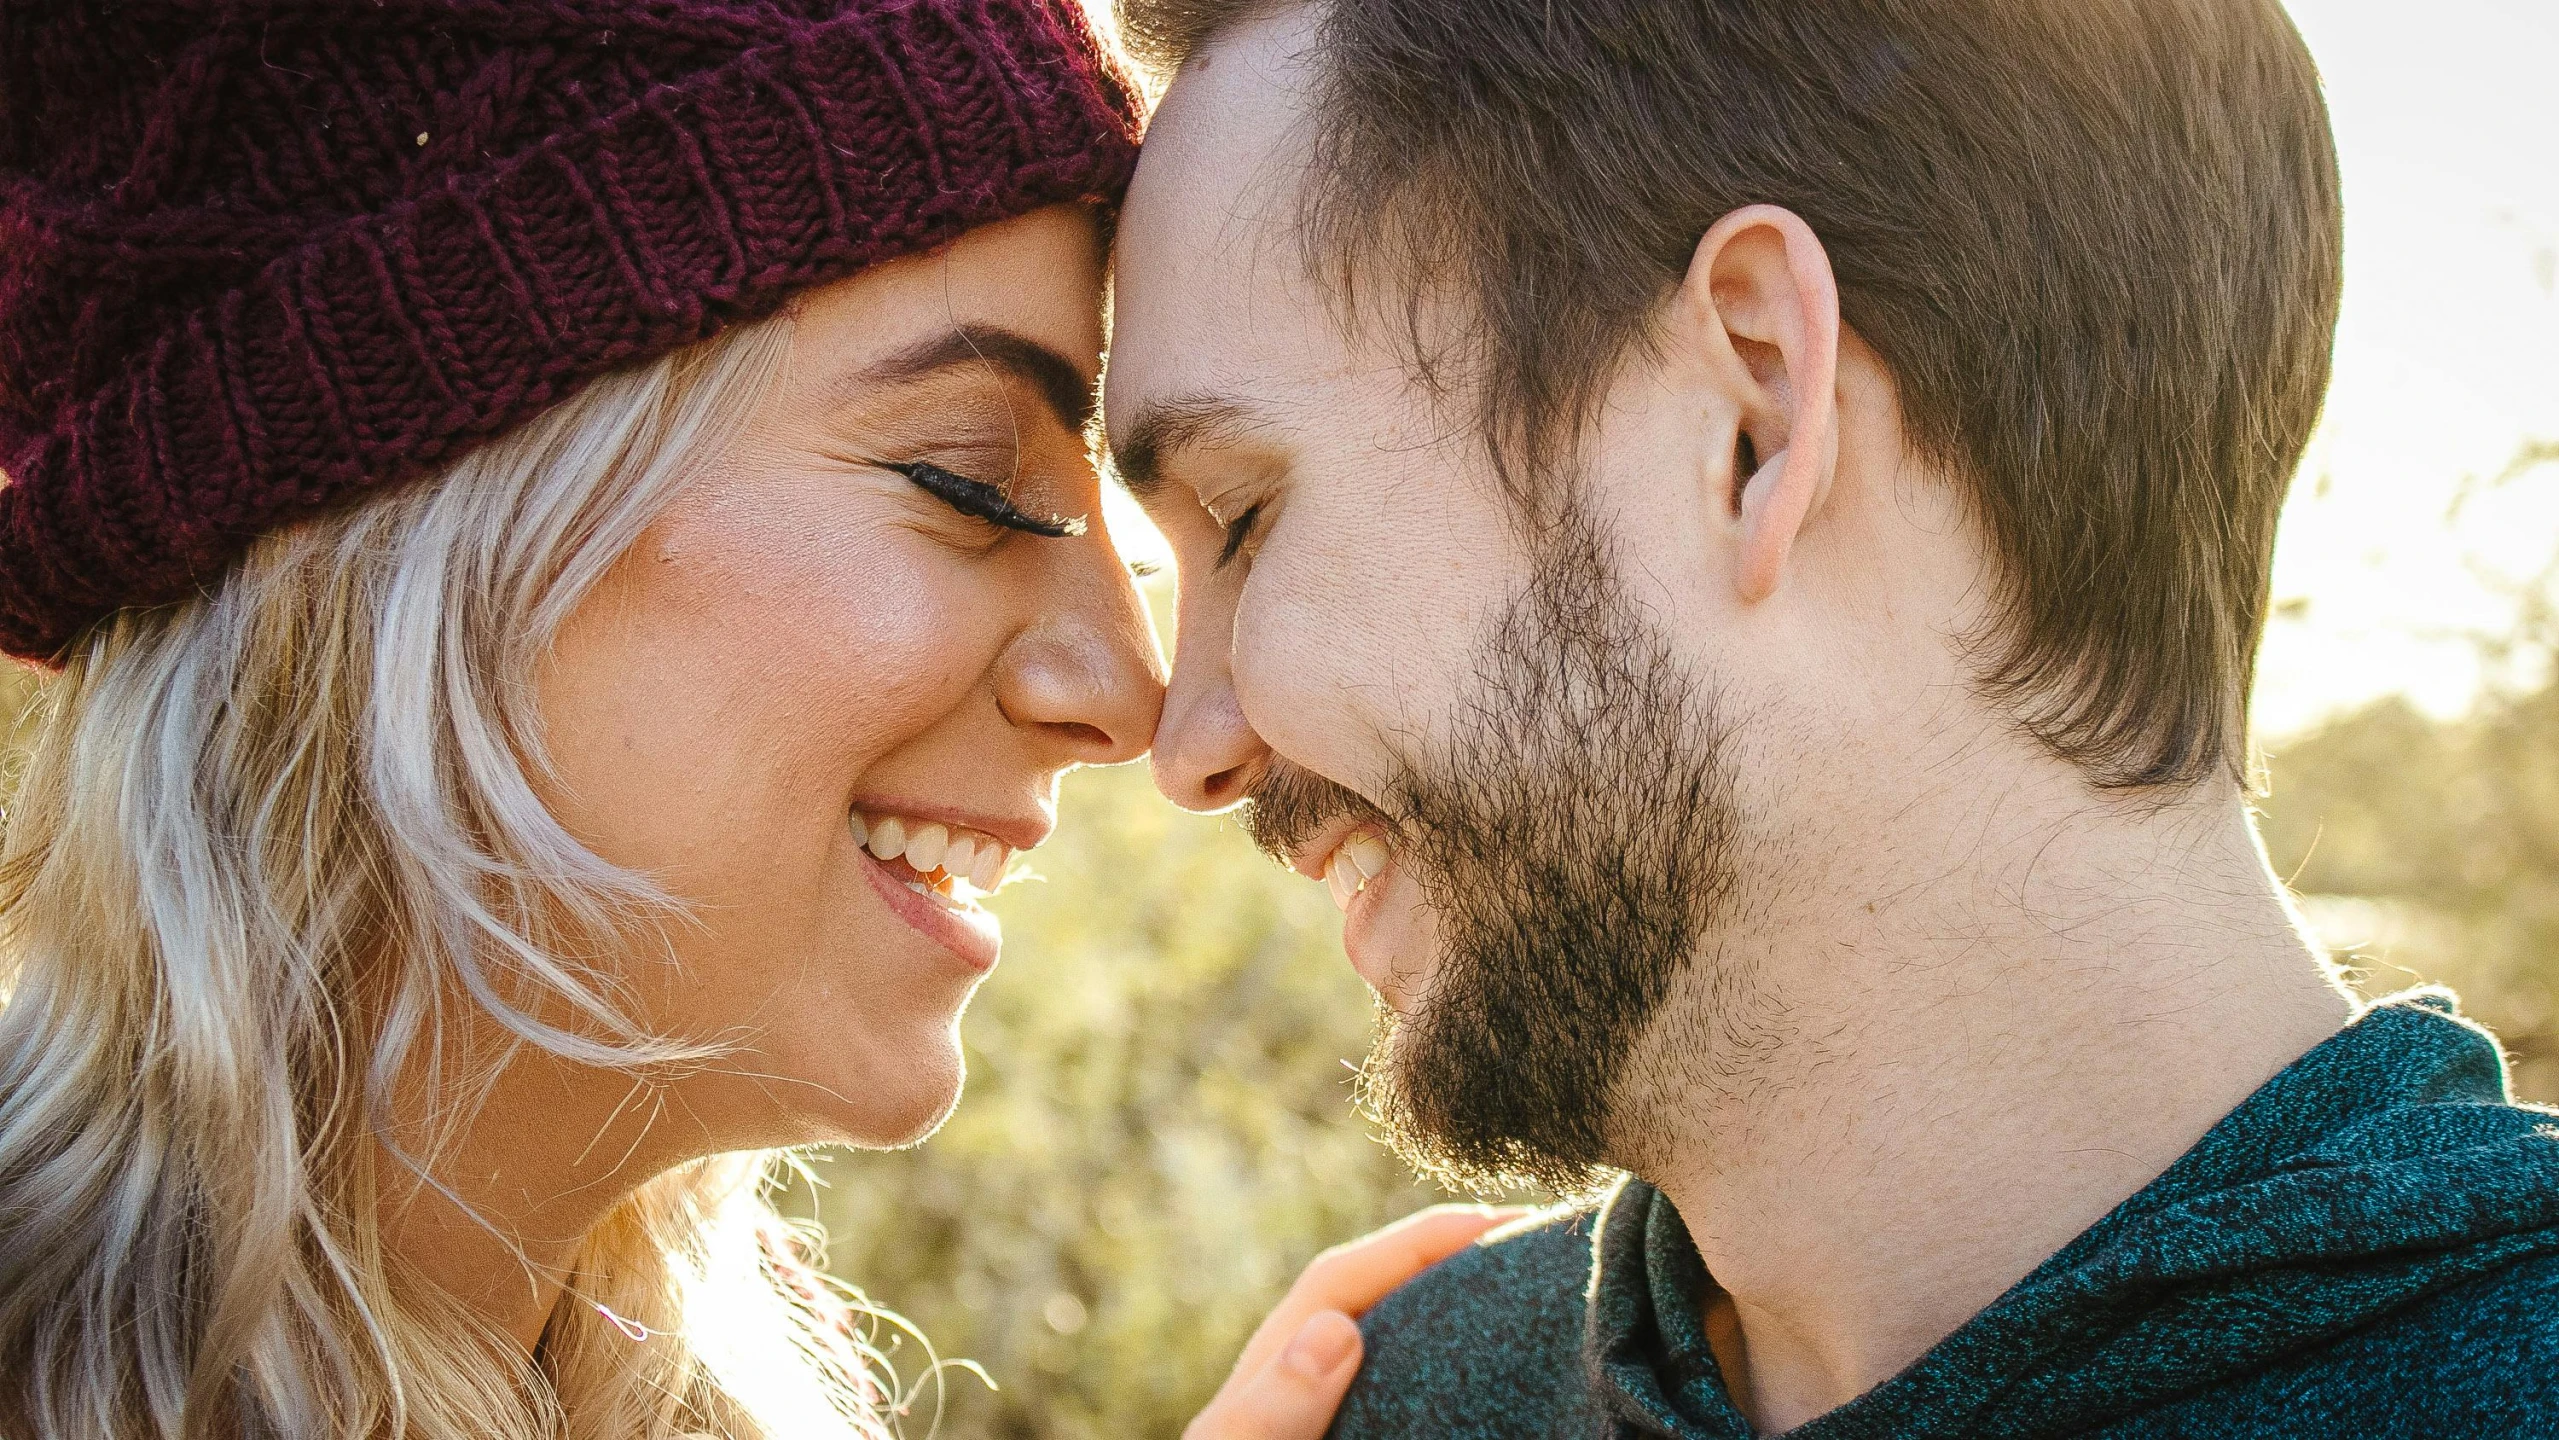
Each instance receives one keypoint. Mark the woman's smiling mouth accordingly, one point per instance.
(933, 874)
(949, 861)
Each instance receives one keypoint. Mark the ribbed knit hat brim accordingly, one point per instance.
(385, 341)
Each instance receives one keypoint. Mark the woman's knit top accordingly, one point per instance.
(259, 255)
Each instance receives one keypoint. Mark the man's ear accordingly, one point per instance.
(1762, 312)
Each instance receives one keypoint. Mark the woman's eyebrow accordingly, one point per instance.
(1068, 391)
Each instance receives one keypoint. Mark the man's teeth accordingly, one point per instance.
(1360, 860)
(957, 855)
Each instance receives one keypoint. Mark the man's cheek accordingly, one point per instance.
(1322, 685)
(1305, 679)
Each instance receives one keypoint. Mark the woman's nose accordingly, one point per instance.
(1207, 755)
(1087, 679)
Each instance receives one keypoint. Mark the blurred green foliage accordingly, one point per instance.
(2429, 851)
(17, 695)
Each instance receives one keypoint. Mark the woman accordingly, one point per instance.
(566, 538)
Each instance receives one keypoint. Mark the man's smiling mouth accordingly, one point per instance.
(1360, 858)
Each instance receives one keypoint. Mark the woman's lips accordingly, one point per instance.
(967, 931)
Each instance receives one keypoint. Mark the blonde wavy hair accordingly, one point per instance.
(263, 841)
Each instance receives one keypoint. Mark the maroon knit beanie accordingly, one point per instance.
(256, 255)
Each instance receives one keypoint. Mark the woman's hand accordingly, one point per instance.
(1298, 1365)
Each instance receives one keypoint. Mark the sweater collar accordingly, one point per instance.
(2407, 1101)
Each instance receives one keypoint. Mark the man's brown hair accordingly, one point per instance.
(2095, 241)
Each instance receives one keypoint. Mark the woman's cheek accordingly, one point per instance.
(891, 648)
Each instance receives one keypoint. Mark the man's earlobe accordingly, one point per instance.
(1765, 538)
(1776, 501)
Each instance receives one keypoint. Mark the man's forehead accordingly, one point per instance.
(1222, 173)
(1244, 100)
(1208, 274)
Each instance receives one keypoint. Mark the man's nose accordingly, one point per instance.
(1207, 755)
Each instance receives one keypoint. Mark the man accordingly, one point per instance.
(1733, 536)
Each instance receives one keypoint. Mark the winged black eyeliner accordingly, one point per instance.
(977, 498)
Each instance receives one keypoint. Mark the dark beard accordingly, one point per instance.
(1574, 837)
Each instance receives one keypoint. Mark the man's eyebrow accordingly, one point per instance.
(1164, 428)
(1067, 390)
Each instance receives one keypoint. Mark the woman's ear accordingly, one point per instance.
(1762, 307)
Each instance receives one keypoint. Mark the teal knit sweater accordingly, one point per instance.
(2368, 1247)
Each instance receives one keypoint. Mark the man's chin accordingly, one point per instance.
(1386, 1097)
(1395, 989)
(1427, 1096)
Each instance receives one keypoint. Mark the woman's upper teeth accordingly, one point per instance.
(930, 845)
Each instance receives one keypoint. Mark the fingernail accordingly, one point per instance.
(1322, 1344)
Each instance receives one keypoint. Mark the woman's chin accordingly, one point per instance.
(918, 1130)
(905, 1110)
(876, 1077)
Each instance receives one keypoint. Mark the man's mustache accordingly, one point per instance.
(1289, 804)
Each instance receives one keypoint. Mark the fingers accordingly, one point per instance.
(1294, 1395)
(1298, 1365)
(1354, 1276)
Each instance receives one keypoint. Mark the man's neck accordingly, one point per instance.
(1962, 1060)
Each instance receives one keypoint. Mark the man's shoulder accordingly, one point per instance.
(1485, 1345)
(2488, 1348)
(2477, 1360)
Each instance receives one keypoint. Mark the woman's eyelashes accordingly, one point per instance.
(982, 501)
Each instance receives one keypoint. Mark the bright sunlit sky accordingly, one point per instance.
(2447, 119)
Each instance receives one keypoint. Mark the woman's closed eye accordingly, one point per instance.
(979, 500)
